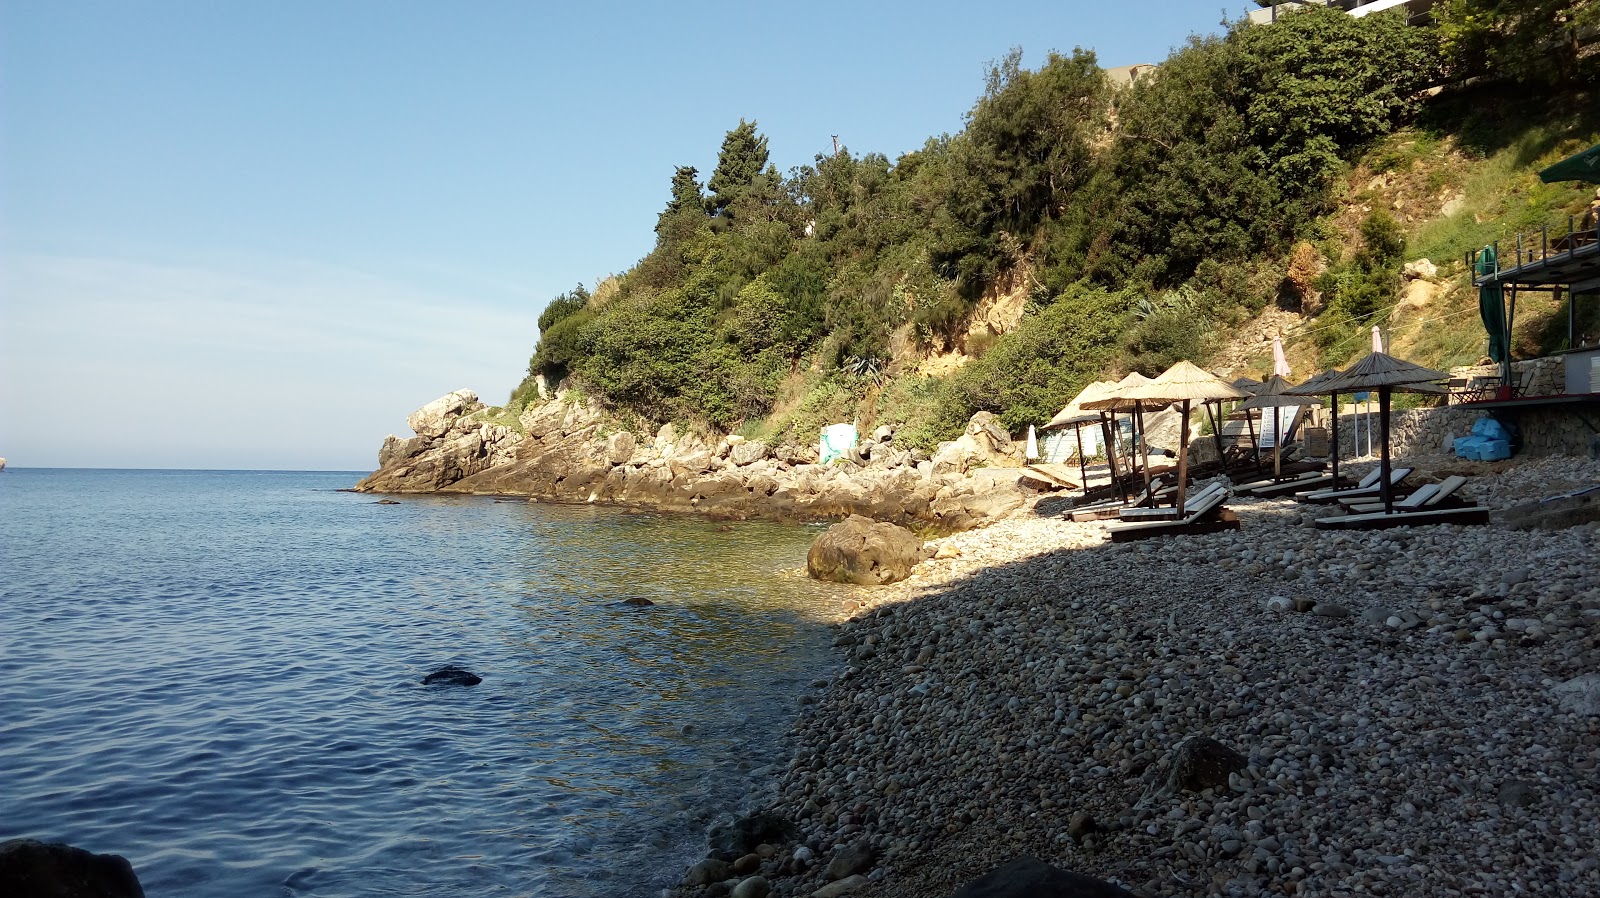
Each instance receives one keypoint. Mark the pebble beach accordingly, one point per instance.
(1401, 712)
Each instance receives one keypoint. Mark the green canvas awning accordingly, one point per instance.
(1492, 308)
(1583, 167)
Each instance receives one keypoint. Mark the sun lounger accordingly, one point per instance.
(1361, 493)
(1430, 495)
(1365, 482)
(1203, 514)
(1298, 486)
(1101, 511)
(1378, 521)
(1267, 487)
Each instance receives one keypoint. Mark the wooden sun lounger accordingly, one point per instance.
(1397, 476)
(1365, 482)
(1429, 495)
(1472, 515)
(1101, 511)
(1315, 482)
(1205, 515)
(1052, 476)
(1289, 484)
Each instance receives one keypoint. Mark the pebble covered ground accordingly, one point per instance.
(1393, 712)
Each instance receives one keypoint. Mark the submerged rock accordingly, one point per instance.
(31, 869)
(450, 675)
(637, 602)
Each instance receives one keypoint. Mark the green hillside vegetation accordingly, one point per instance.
(1141, 223)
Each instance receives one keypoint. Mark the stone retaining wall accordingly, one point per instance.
(1549, 375)
(1544, 430)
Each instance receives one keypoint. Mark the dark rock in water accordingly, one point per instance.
(1028, 877)
(1202, 763)
(707, 872)
(30, 869)
(731, 841)
(450, 675)
(386, 502)
(637, 602)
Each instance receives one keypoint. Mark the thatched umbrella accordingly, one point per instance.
(1118, 400)
(1273, 394)
(1075, 416)
(1385, 373)
(1315, 387)
(1184, 383)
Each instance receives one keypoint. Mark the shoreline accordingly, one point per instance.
(1412, 730)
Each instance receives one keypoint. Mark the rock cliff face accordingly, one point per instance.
(565, 452)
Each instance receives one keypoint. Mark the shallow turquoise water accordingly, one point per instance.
(216, 675)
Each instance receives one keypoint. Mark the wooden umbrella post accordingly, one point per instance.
(1334, 448)
(1250, 422)
(1139, 444)
(1083, 467)
(1213, 412)
(1277, 442)
(1111, 456)
(1383, 460)
(1183, 457)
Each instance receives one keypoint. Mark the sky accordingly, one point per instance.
(259, 235)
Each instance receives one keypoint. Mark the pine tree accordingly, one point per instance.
(743, 156)
(686, 196)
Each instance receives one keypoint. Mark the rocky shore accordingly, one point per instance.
(566, 450)
(1276, 710)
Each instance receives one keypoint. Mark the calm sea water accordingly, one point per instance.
(216, 675)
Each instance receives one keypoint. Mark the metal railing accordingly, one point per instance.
(1531, 247)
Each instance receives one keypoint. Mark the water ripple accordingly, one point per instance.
(217, 675)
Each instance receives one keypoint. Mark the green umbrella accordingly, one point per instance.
(1583, 167)
(1492, 308)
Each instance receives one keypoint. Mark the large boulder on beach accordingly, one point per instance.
(1202, 763)
(866, 552)
(1028, 877)
(30, 869)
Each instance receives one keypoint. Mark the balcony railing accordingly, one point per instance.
(1532, 247)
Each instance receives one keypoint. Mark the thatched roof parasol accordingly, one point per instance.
(1275, 392)
(1118, 399)
(1075, 413)
(1315, 386)
(1379, 370)
(1247, 384)
(1184, 381)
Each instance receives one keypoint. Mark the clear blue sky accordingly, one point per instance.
(258, 235)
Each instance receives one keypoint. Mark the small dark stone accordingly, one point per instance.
(1028, 877)
(1202, 763)
(1519, 794)
(450, 675)
(707, 872)
(1081, 824)
(30, 869)
(1329, 609)
(1304, 605)
(637, 602)
(386, 502)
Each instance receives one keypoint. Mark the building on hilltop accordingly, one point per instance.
(1124, 75)
(1417, 10)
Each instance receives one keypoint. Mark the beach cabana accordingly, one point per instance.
(1119, 399)
(1074, 415)
(1183, 383)
(1314, 387)
(1385, 374)
(1273, 394)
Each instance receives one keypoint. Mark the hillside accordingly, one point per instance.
(1271, 181)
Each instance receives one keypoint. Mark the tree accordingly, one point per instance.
(739, 164)
(1529, 40)
(686, 197)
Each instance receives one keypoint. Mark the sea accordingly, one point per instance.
(218, 675)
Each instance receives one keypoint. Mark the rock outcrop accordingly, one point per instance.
(567, 451)
(55, 870)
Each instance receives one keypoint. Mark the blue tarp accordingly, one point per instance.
(1490, 441)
